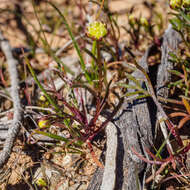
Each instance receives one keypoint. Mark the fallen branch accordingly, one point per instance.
(15, 125)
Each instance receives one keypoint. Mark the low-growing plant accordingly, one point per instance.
(70, 114)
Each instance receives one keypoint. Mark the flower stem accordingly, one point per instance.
(100, 67)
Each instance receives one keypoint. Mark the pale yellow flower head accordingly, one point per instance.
(132, 19)
(175, 4)
(41, 182)
(144, 21)
(42, 98)
(97, 30)
(43, 123)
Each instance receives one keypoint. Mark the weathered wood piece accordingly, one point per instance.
(132, 120)
(109, 176)
(171, 40)
(18, 111)
(136, 120)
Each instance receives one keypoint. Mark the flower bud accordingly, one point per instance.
(186, 3)
(41, 182)
(96, 30)
(43, 123)
(175, 4)
(42, 98)
(132, 19)
(144, 21)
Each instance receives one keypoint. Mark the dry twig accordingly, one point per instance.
(15, 126)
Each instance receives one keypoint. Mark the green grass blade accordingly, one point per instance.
(47, 47)
(51, 101)
(53, 136)
(83, 66)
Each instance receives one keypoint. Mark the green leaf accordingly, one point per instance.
(134, 93)
(176, 23)
(177, 73)
(185, 16)
(47, 47)
(128, 86)
(129, 76)
(53, 136)
(49, 98)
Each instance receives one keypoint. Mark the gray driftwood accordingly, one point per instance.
(136, 120)
(18, 112)
(171, 40)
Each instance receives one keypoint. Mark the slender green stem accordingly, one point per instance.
(94, 52)
(46, 45)
(100, 67)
